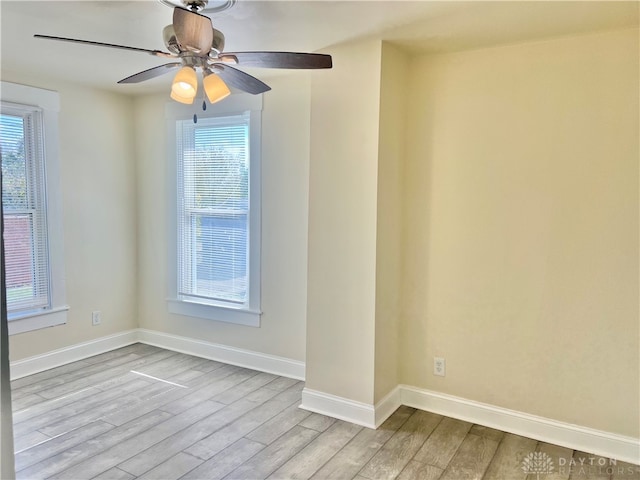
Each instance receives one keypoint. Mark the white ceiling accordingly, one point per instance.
(418, 26)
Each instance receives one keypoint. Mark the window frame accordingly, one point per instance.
(229, 313)
(47, 102)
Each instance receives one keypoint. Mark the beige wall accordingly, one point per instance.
(342, 223)
(391, 153)
(513, 212)
(285, 170)
(521, 223)
(97, 172)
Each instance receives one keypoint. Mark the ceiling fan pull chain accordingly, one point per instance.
(204, 98)
(204, 107)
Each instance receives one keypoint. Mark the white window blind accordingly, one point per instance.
(213, 210)
(24, 210)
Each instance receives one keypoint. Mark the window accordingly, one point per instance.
(217, 229)
(34, 279)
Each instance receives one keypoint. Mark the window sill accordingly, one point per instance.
(250, 318)
(39, 320)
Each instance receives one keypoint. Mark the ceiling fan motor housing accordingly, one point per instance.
(171, 42)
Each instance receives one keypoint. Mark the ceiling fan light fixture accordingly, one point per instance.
(193, 44)
(185, 85)
(214, 87)
(185, 100)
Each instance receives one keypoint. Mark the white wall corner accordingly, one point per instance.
(263, 362)
(389, 404)
(72, 353)
(339, 407)
(544, 429)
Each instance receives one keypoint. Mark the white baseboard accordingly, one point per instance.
(263, 362)
(234, 356)
(72, 353)
(539, 428)
(389, 404)
(339, 407)
(547, 430)
(544, 429)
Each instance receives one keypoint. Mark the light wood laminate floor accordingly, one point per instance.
(144, 412)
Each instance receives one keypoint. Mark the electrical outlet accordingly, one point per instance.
(439, 366)
(96, 318)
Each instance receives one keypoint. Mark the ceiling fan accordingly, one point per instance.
(194, 44)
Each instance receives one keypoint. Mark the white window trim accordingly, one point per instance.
(49, 102)
(234, 104)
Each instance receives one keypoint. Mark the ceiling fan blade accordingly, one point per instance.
(240, 80)
(151, 73)
(194, 32)
(278, 59)
(156, 53)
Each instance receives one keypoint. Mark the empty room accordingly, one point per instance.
(366, 240)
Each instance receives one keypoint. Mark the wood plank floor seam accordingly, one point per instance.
(90, 419)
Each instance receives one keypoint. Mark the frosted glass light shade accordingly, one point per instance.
(178, 98)
(185, 85)
(215, 88)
